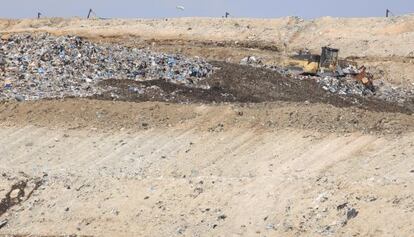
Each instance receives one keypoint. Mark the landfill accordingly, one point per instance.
(259, 151)
(41, 66)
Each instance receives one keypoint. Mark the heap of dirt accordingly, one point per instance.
(239, 83)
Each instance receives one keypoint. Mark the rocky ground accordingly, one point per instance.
(163, 143)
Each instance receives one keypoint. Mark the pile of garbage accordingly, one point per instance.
(343, 86)
(393, 93)
(44, 66)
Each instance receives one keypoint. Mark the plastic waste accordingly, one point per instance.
(45, 66)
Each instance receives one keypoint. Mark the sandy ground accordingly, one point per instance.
(379, 35)
(156, 169)
(300, 165)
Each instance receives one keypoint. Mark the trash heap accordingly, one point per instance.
(346, 86)
(393, 93)
(343, 86)
(44, 66)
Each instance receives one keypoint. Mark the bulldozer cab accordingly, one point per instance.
(329, 59)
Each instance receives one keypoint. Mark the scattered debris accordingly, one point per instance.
(3, 223)
(221, 217)
(351, 213)
(17, 194)
(341, 206)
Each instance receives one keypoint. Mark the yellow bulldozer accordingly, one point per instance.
(328, 64)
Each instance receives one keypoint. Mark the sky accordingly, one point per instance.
(204, 8)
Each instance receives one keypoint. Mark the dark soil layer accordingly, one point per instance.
(238, 83)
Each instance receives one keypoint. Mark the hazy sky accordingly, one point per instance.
(213, 8)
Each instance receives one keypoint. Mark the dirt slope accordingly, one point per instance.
(153, 169)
